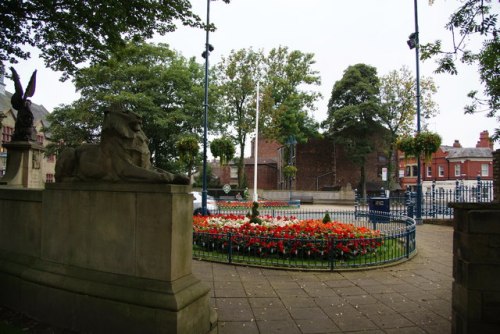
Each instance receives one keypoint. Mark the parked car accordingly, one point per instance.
(211, 204)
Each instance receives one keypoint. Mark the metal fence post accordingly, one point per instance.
(478, 194)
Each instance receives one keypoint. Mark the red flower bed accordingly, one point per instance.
(285, 237)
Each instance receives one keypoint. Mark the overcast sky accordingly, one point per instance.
(339, 34)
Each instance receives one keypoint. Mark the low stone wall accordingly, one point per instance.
(476, 268)
(345, 196)
(103, 258)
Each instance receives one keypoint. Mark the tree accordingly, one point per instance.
(352, 113)
(287, 106)
(236, 78)
(151, 80)
(69, 33)
(398, 101)
(474, 19)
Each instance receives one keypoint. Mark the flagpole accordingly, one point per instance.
(256, 145)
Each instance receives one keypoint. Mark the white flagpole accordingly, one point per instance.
(256, 144)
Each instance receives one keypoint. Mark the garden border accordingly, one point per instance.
(398, 234)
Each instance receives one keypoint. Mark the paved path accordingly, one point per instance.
(413, 297)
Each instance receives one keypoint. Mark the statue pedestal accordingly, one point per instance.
(107, 258)
(24, 165)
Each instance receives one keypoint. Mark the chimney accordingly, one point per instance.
(457, 144)
(484, 140)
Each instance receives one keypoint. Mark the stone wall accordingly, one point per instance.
(476, 268)
(102, 258)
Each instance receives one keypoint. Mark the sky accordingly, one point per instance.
(338, 33)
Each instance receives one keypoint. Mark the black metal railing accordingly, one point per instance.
(435, 201)
(395, 242)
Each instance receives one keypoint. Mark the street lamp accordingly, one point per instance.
(413, 43)
(205, 54)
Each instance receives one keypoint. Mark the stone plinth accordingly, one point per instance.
(476, 268)
(110, 258)
(24, 165)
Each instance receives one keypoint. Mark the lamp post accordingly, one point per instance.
(413, 43)
(205, 54)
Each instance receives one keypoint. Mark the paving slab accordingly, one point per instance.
(412, 297)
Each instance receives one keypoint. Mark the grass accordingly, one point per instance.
(390, 250)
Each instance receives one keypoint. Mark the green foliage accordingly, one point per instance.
(222, 148)
(423, 144)
(287, 106)
(398, 108)
(188, 149)
(69, 33)
(289, 171)
(473, 20)
(285, 103)
(254, 216)
(151, 80)
(326, 218)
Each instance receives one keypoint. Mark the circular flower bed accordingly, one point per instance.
(284, 237)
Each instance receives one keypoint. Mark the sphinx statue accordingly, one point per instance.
(121, 156)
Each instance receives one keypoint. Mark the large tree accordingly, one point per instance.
(69, 33)
(285, 106)
(474, 20)
(288, 104)
(398, 101)
(353, 112)
(152, 80)
(236, 78)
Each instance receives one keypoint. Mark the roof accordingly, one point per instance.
(468, 152)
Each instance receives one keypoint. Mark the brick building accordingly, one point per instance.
(449, 164)
(321, 165)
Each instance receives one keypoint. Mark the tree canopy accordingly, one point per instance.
(285, 106)
(353, 113)
(69, 33)
(473, 20)
(151, 80)
(398, 101)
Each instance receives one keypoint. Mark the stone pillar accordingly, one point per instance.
(105, 258)
(496, 176)
(24, 165)
(476, 268)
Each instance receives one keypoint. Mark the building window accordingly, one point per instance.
(485, 169)
(51, 158)
(429, 171)
(457, 170)
(411, 170)
(7, 133)
(39, 139)
(441, 171)
(49, 178)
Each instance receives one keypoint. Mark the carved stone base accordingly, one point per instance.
(104, 258)
(24, 165)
